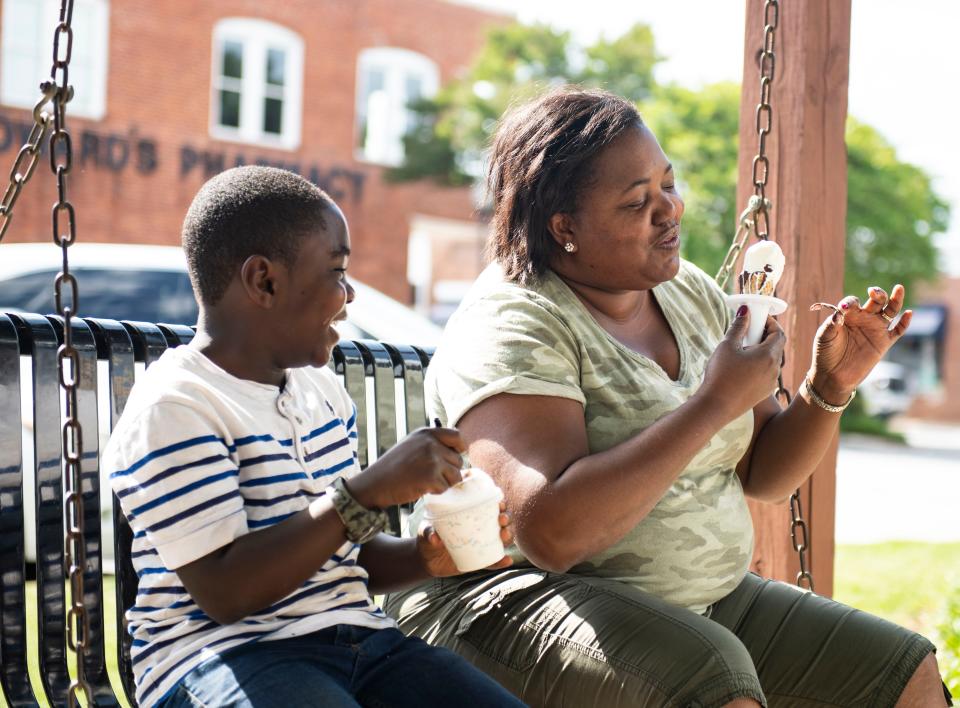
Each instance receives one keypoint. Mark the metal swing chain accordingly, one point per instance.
(58, 92)
(755, 219)
(68, 359)
(27, 158)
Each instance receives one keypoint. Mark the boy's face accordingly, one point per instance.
(315, 296)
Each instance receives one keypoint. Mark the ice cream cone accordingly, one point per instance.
(760, 306)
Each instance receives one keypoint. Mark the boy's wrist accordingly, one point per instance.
(361, 489)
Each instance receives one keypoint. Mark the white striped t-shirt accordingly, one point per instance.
(200, 457)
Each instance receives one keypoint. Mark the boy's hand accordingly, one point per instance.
(426, 461)
(438, 562)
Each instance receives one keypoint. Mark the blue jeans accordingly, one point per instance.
(338, 667)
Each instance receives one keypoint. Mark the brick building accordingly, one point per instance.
(169, 92)
(941, 401)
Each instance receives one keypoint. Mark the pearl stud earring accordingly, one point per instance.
(569, 247)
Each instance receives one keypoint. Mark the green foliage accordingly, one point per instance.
(893, 214)
(517, 63)
(948, 645)
(855, 419)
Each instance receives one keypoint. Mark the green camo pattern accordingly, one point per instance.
(695, 546)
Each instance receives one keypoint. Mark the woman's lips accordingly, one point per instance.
(670, 240)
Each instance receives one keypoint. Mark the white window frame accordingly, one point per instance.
(257, 37)
(34, 45)
(397, 65)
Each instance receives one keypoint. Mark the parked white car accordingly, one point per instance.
(887, 390)
(150, 284)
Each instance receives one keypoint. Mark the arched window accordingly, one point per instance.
(28, 28)
(257, 84)
(388, 79)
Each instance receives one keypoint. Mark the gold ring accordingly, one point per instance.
(885, 316)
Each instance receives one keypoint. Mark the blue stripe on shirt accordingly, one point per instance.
(202, 440)
(170, 520)
(169, 472)
(339, 467)
(186, 489)
(260, 481)
(260, 459)
(327, 449)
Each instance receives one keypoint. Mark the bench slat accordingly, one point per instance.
(115, 346)
(379, 379)
(348, 362)
(14, 677)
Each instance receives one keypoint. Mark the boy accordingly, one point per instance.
(256, 536)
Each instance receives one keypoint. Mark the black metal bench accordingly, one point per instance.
(385, 382)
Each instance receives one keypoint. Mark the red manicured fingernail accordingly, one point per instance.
(844, 305)
(742, 310)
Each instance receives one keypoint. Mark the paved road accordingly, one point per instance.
(900, 492)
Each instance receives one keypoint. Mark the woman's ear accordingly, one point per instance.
(258, 277)
(561, 227)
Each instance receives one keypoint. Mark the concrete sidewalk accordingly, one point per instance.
(891, 492)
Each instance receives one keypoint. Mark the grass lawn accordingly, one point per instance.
(901, 581)
(910, 584)
(904, 582)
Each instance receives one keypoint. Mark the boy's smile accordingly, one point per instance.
(315, 296)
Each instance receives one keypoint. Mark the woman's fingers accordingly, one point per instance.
(896, 301)
(849, 304)
(876, 299)
(902, 324)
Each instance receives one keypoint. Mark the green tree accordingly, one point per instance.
(893, 214)
(516, 63)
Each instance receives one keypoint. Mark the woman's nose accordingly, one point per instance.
(351, 293)
(670, 206)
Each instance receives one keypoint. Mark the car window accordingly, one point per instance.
(142, 295)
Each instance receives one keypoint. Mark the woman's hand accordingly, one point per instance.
(739, 377)
(437, 560)
(850, 343)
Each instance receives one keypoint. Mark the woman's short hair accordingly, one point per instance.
(542, 158)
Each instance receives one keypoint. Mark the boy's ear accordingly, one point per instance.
(258, 276)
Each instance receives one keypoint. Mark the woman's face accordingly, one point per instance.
(626, 228)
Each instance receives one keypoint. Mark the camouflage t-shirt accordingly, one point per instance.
(694, 547)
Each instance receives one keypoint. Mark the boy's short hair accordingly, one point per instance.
(248, 211)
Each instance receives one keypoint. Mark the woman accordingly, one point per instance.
(601, 382)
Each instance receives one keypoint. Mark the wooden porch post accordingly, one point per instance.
(808, 187)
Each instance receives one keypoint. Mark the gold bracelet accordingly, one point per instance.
(818, 399)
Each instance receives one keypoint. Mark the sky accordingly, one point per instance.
(904, 67)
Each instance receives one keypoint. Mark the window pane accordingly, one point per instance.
(275, 66)
(230, 108)
(233, 59)
(272, 115)
(414, 87)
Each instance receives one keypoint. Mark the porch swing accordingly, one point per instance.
(64, 351)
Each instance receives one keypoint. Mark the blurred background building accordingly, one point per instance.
(170, 92)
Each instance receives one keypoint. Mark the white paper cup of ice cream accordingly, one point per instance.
(467, 517)
(760, 306)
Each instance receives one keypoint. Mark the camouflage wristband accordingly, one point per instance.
(361, 523)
